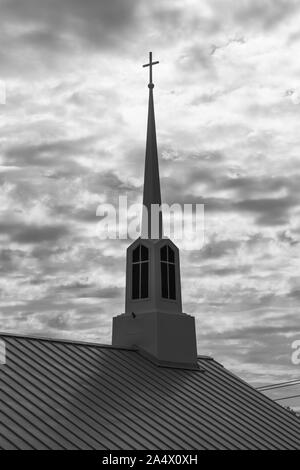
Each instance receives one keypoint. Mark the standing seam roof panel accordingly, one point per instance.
(62, 394)
(108, 374)
(267, 407)
(84, 404)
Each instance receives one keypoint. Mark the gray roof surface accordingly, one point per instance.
(69, 395)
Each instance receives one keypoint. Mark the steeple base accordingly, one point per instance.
(169, 339)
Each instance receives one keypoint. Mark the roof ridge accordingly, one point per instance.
(64, 340)
(84, 343)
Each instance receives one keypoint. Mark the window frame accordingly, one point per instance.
(139, 262)
(166, 262)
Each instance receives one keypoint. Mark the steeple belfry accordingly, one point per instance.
(151, 219)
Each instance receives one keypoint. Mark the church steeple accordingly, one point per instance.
(151, 220)
(153, 320)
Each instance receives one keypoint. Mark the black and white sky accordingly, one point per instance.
(227, 101)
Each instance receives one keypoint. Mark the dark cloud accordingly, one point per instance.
(59, 321)
(73, 213)
(235, 40)
(256, 195)
(263, 13)
(42, 234)
(286, 238)
(33, 234)
(44, 252)
(295, 294)
(48, 154)
(207, 97)
(196, 59)
(269, 211)
(214, 249)
(83, 290)
(101, 23)
(76, 285)
(227, 271)
(46, 39)
(10, 259)
(264, 330)
(101, 293)
(246, 185)
(167, 16)
(109, 180)
(42, 37)
(37, 281)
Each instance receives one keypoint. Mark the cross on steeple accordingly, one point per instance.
(150, 65)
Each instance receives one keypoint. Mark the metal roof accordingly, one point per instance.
(69, 395)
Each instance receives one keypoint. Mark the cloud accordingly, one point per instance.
(10, 260)
(216, 249)
(271, 211)
(104, 293)
(60, 155)
(264, 14)
(60, 321)
(45, 23)
(91, 290)
(51, 35)
(197, 56)
(33, 234)
(295, 294)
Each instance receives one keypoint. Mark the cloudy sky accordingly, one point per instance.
(227, 100)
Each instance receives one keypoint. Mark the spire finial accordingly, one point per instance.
(150, 65)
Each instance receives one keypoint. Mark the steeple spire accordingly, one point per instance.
(151, 220)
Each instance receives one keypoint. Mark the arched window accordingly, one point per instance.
(167, 267)
(140, 272)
